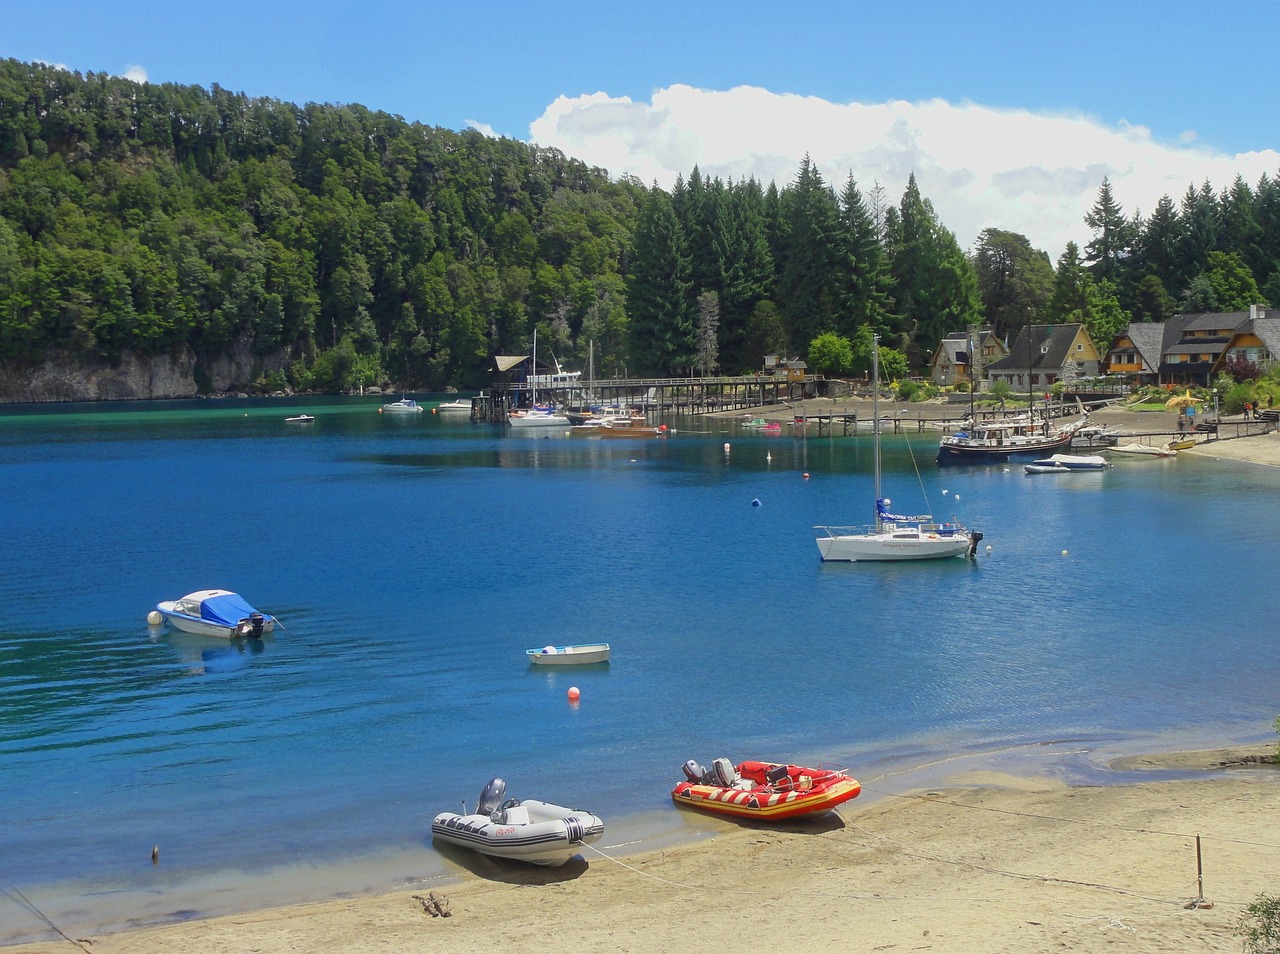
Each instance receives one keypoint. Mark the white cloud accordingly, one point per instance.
(1033, 173)
(136, 73)
(483, 128)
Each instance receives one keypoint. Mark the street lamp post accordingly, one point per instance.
(1215, 413)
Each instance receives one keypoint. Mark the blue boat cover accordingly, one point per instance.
(226, 610)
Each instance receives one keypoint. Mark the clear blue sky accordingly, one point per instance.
(1172, 66)
(1009, 112)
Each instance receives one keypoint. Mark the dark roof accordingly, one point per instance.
(1039, 346)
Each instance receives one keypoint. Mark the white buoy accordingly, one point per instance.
(155, 618)
(1064, 552)
(726, 448)
(755, 502)
(988, 548)
(768, 456)
(944, 491)
(957, 496)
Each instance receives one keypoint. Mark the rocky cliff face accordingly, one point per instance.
(134, 377)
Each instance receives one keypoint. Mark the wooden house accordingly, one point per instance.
(1043, 355)
(1191, 349)
(952, 361)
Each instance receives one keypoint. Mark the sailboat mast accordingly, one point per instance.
(875, 417)
(533, 373)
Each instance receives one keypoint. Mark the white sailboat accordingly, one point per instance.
(535, 416)
(894, 536)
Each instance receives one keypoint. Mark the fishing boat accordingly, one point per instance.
(532, 831)
(768, 791)
(1066, 463)
(583, 654)
(216, 613)
(403, 406)
(1000, 439)
(894, 536)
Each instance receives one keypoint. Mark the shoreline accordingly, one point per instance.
(1263, 449)
(989, 858)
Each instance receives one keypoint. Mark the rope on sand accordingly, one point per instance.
(20, 899)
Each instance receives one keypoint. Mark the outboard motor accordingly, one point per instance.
(491, 797)
(251, 627)
(974, 537)
(694, 772)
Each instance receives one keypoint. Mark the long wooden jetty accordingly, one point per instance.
(685, 395)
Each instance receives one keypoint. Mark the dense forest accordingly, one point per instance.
(348, 247)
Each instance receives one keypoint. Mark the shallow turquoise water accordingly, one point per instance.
(414, 560)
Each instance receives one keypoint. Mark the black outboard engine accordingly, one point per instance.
(974, 537)
(251, 627)
(694, 772)
(491, 797)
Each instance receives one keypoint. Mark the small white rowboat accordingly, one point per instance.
(569, 655)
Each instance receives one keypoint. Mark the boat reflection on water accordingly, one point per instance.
(209, 655)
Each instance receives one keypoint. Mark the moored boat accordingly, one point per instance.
(300, 419)
(770, 791)
(458, 406)
(1143, 450)
(894, 536)
(580, 655)
(532, 831)
(216, 613)
(1001, 439)
(620, 429)
(1066, 463)
(403, 406)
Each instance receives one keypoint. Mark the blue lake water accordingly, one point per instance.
(413, 560)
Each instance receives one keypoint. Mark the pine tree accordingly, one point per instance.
(809, 275)
(867, 298)
(1112, 236)
(659, 287)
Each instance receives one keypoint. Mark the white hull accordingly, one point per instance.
(537, 419)
(199, 627)
(583, 655)
(891, 545)
(550, 836)
(454, 407)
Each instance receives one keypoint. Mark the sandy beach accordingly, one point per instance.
(988, 863)
(985, 862)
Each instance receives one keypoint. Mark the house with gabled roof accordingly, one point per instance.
(1043, 355)
(1190, 349)
(1257, 339)
(952, 361)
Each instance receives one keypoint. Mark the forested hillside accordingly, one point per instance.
(341, 246)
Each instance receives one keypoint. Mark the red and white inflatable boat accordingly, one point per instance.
(764, 790)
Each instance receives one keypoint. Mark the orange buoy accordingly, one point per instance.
(806, 476)
(574, 694)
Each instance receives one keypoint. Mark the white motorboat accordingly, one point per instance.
(216, 613)
(538, 417)
(300, 419)
(580, 655)
(894, 536)
(1066, 463)
(402, 406)
(536, 832)
(454, 407)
